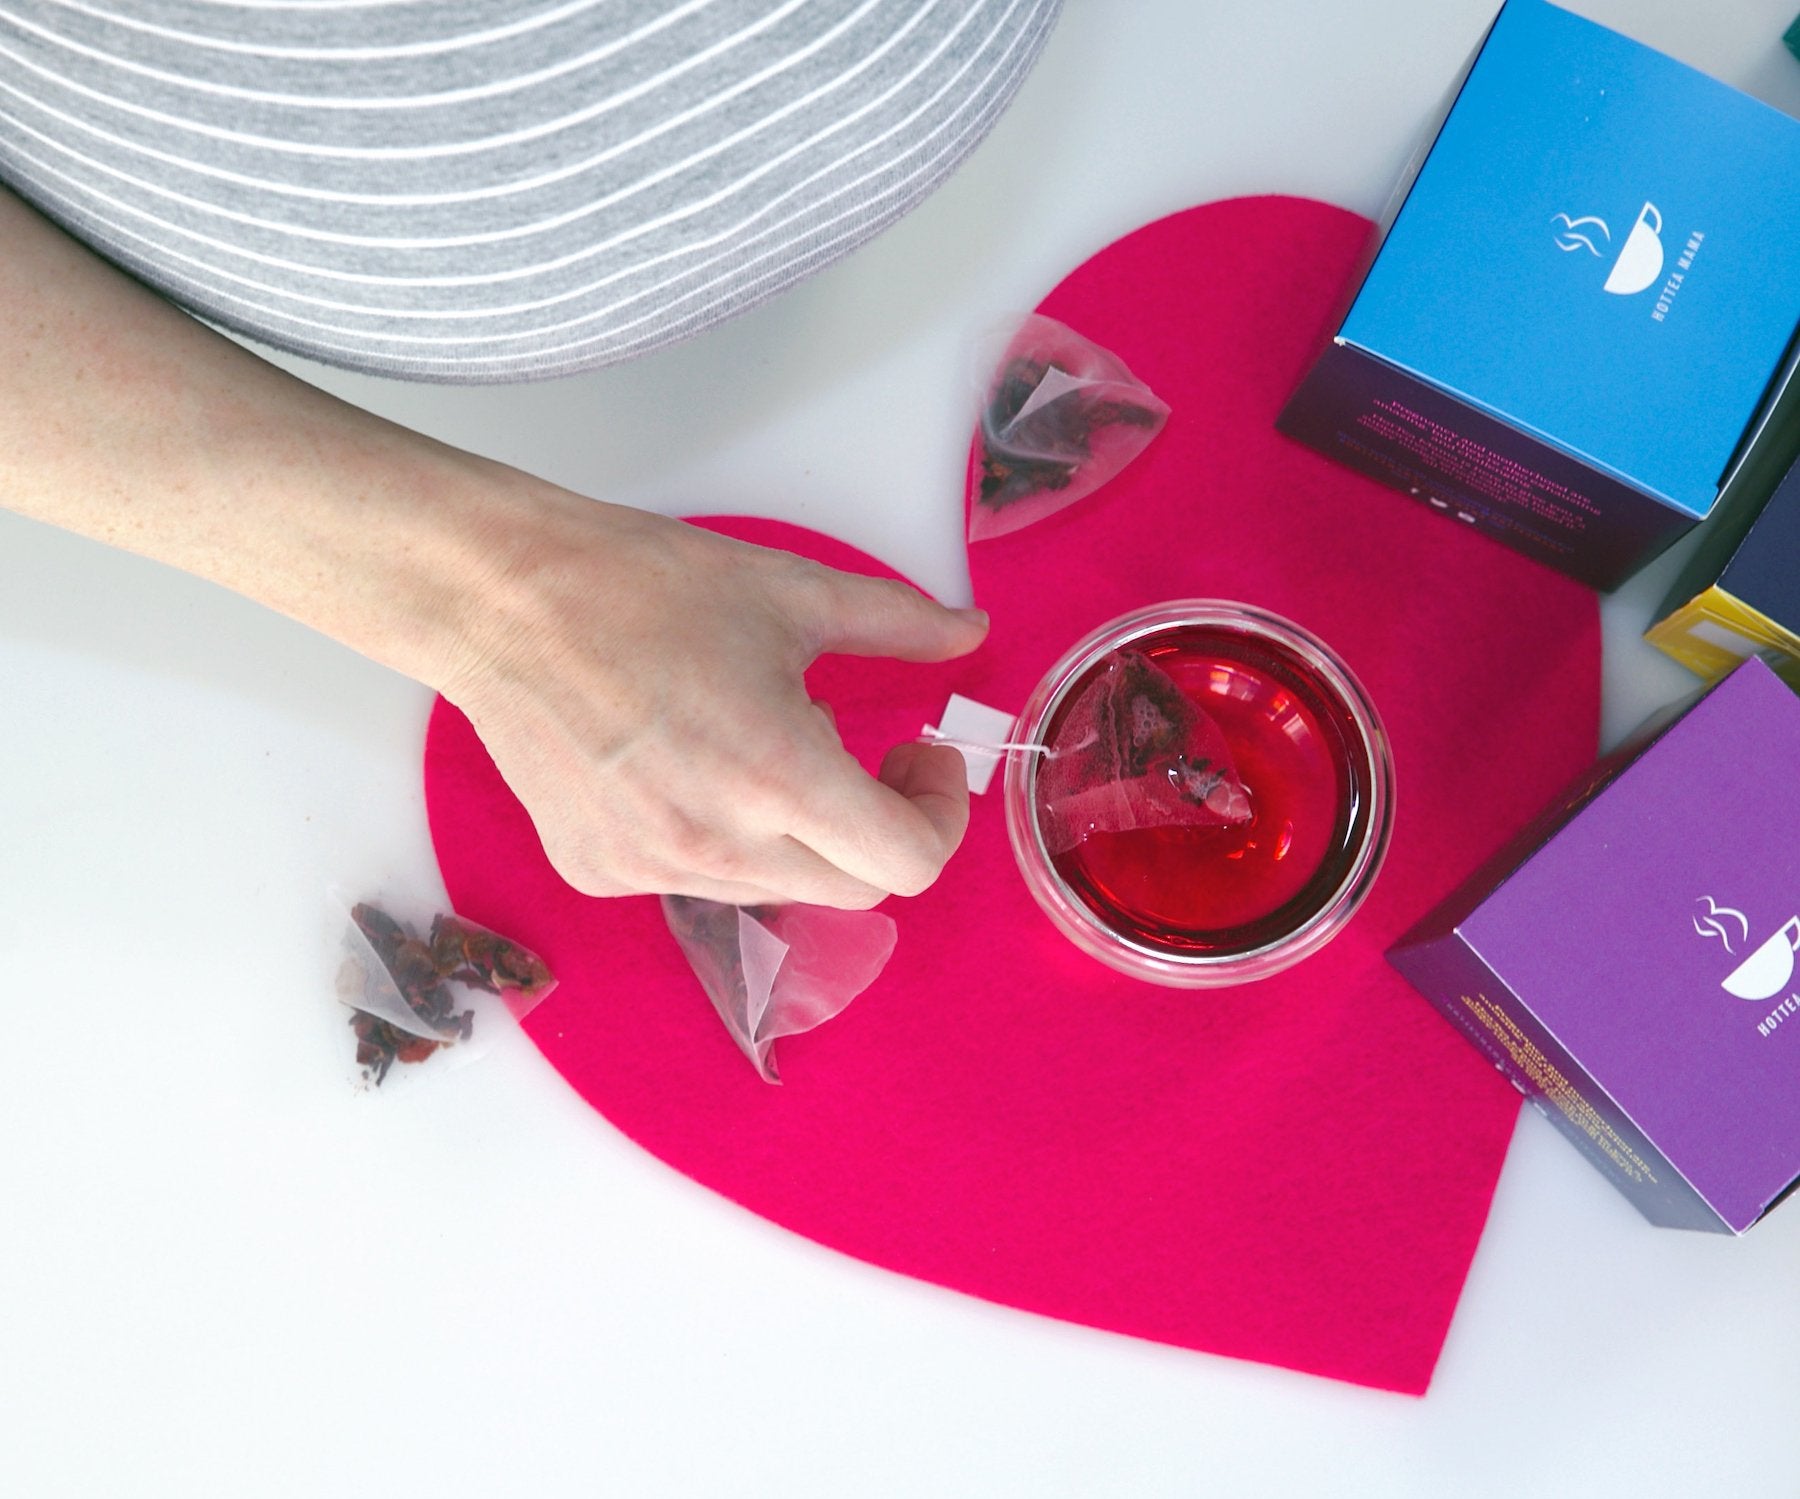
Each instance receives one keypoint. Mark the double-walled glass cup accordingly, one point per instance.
(1200, 907)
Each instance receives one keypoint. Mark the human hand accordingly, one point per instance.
(639, 684)
(638, 681)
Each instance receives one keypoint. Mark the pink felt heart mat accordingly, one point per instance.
(1296, 1171)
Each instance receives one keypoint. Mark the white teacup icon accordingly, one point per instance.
(1766, 972)
(1641, 261)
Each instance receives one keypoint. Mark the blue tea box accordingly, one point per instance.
(1580, 311)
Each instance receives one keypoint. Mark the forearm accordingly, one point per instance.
(123, 419)
(639, 682)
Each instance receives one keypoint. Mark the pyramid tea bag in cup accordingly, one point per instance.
(1134, 751)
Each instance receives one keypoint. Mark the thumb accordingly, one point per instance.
(860, 616)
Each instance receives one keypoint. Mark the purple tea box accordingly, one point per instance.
(1629, 961)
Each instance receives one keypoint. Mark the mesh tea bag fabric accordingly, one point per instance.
(774, 971)
(1060, 417)
(1133, 751)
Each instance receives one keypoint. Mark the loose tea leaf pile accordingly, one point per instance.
(421, 972)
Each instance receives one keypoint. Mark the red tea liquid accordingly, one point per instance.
(1212, 891)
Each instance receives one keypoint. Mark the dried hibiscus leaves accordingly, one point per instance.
(1060, 417)
(411, 996)
(1044, 449)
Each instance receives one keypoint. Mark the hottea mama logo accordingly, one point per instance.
(1764, 971)
(1638, 264)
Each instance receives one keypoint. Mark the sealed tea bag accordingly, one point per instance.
(774, 971)
(1059, 418)
(430, 988)
(1134, 751)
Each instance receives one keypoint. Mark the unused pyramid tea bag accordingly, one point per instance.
(1060, 417)
(1134, 751)
(774, 971)
(430, 988)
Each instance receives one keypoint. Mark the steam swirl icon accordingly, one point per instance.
(1578, 234)
(1711, 925)
(1639, 263)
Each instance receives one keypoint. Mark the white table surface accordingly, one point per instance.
(221, 1272)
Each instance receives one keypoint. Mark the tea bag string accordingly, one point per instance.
(1002, 747)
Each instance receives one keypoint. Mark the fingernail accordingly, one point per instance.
(974, 616)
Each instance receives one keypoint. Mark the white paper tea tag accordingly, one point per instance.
(975, 724)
